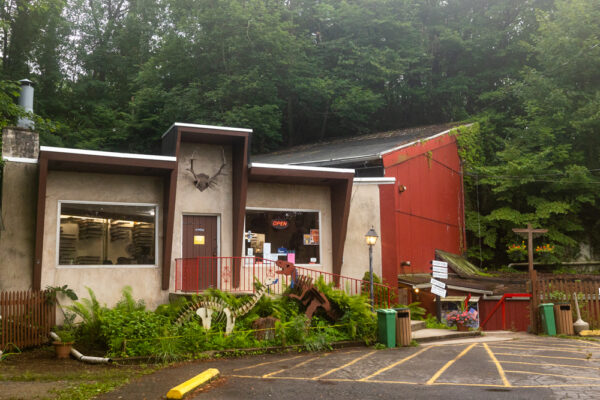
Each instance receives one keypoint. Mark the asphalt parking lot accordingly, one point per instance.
(526, 368)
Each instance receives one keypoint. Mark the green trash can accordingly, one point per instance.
(547, 313)
(386, 327)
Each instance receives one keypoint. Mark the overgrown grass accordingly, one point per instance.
(96, 384)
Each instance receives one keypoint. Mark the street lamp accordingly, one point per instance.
(371, 239)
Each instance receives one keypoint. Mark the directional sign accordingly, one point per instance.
(435, 282)
(438, 291)
(440, 275)
(443, 270)
(437, 263)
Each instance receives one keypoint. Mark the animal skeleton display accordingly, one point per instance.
(203, 181)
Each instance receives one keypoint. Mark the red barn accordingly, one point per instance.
(422, 211)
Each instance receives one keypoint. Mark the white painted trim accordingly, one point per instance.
(21, 160)
(222, 128)
(299, 168)
(364, 157)
(374, 181)
(421, 140)
(107, 154)
(156, 226)
(320, 264)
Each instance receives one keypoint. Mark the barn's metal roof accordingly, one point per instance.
(352, 149)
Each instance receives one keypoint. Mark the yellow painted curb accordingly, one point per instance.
(595, 332)
(181, 390)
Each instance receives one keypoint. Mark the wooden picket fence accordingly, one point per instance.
(26, 318)
(560, 288)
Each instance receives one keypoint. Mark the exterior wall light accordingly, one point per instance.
(371, 239)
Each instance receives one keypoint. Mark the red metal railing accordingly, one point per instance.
(502, 303)
(237, 275)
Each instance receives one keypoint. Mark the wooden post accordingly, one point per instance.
(530, 231)
(535, 297)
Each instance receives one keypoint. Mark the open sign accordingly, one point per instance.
(279, 223)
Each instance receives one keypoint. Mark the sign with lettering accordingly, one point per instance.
(435, 282)
(438, 291)
(437, 263)
(440, 275)
(198, 239)
(280, 223)
(440, 269)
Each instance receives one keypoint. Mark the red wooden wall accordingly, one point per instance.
(429, 214)
(517, 315)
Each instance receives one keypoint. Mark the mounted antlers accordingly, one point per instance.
(203, 181)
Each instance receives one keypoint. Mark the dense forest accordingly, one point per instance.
(114, 74)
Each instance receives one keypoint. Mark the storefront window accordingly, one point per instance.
(104, 233)
(283, 235)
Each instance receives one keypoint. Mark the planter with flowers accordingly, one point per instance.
(463, 319)
(545, 254)
(517, 252)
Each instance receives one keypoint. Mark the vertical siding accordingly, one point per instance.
(429, 214)
(517, 315)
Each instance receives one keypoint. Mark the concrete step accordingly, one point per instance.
(433, 335)
(417, 325)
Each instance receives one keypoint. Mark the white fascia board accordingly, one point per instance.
(21, 160)
(420, 140)
(107, 154)
(374, 181)
(222, 128)
(299, 168)
(342, 159)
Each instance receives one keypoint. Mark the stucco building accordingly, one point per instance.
(106, 220)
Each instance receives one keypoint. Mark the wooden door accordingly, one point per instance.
(200, 252)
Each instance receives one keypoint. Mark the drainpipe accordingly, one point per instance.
(77, 355)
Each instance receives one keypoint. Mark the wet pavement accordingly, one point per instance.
(528, 367)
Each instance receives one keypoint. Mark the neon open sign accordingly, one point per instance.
(279, 223)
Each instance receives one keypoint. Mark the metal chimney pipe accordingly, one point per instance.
(26, 101)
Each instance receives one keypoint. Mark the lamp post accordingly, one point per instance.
(371, 239)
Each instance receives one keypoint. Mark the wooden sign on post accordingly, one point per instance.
(435, 282)
(440, 275)
(438, 291)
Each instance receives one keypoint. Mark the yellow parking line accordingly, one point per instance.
(468, 384)
(539, 348)
(343, 366)
(498, 366)
(563, 342)
(448, 364)
(557, 375)
(548, 364)
(295, 366)
(419, 383)
(394, 382)
(538, 356)
(559, 385)
(396, 363)
(268, 362)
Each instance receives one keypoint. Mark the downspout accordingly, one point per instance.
(78, 356)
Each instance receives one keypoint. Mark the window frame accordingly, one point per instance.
(108, 203)
(267, 209)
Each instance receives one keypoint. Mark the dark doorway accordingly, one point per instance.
(200, 249)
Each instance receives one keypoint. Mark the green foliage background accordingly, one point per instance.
(115, 75)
